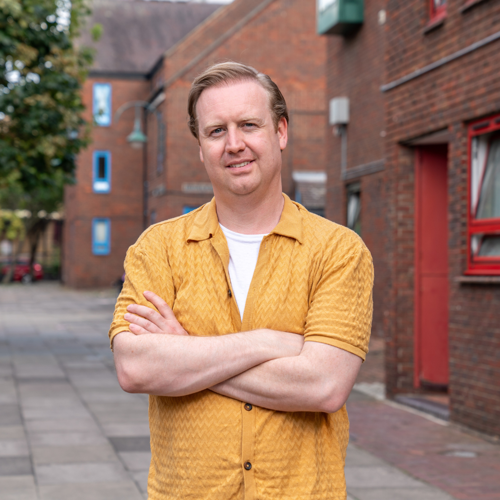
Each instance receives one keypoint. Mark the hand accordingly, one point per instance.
(146, 320)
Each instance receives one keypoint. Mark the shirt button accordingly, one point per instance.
(248, 407)
(229, 294)
(248, 465)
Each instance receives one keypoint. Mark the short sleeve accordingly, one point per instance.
(146, 268)
(341, 306)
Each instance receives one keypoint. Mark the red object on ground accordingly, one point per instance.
(22, 272)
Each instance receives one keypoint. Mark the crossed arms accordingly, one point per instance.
(267, 368)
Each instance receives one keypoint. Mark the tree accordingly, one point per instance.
(37, 208)
(41, 76)
(41, 125)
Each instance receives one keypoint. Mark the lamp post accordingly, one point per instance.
(138, 139)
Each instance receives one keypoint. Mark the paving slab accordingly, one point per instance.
(14, 448)
(15, 466)
(136, 460)
(61, 409)
(18, 488)
(73, 454)
(421, 493)
(97, 472)
(123, 490)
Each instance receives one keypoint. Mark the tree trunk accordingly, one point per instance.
(34, 233)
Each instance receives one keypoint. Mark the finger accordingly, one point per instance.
(146, 312)
(137, 330)
(166, 312)
(142, 322)
(160, 304)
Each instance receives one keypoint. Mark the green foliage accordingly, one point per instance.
(11, 226)
(41, 76)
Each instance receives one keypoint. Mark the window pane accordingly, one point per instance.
(489, 199)
(354, 207)
(102, 104)
(485, 245)
(101, 167)
(101, 232)
(478, 162)
(439, 3)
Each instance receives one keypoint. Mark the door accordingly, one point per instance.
(431, 266)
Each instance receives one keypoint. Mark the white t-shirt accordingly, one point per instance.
(243, 255)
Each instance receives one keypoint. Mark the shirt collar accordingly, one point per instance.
(206, 222)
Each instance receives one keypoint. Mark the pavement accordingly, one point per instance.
(67, 430)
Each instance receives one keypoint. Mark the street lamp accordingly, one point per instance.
(137, 139)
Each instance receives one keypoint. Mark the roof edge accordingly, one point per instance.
(216, 43)
(119, 75)
(207, 20)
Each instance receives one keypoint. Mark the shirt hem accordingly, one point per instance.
(336, 343)
(114, 332)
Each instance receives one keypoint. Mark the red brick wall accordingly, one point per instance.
(123, 204)
(355, 69)
(448, 97)
(281, 41)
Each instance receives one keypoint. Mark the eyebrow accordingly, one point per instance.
(217, 125)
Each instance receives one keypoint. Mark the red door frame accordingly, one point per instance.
(416, 273)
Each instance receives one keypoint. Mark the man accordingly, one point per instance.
(261, 322)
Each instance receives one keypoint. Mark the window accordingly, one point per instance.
(484, 199)
(437, 10)
(101, 236)
(102, 104)
(102, 172)
(354, 207)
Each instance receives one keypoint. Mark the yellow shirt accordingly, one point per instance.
(313, 277)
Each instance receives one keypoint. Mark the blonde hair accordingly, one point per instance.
(229, 72)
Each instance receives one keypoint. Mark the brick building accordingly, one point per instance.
(105, 210)
(355, 150)
(436, 207)
(255, 32)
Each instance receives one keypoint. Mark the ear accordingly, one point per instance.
(283, 133)
(201, 154)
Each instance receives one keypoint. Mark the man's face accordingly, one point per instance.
(239, 145)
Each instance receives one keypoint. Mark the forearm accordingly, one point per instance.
(177, 365)
(303, 383)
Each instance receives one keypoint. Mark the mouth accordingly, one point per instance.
(240, 165)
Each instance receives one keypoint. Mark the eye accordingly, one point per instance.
(217, 131)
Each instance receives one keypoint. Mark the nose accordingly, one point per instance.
(234, 140)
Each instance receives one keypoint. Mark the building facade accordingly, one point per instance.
(254, 32)
(435, 210)
(105, 209)
(120, 190)
(443, 183)
(355, 144)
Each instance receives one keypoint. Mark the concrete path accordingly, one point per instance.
(67, 430)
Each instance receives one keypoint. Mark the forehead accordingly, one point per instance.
(232, 100)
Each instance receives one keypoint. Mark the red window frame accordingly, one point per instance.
(436, 14)
(481, 265)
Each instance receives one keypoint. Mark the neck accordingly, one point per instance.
(248, 215)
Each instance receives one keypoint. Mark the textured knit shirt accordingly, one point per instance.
(314, 278)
